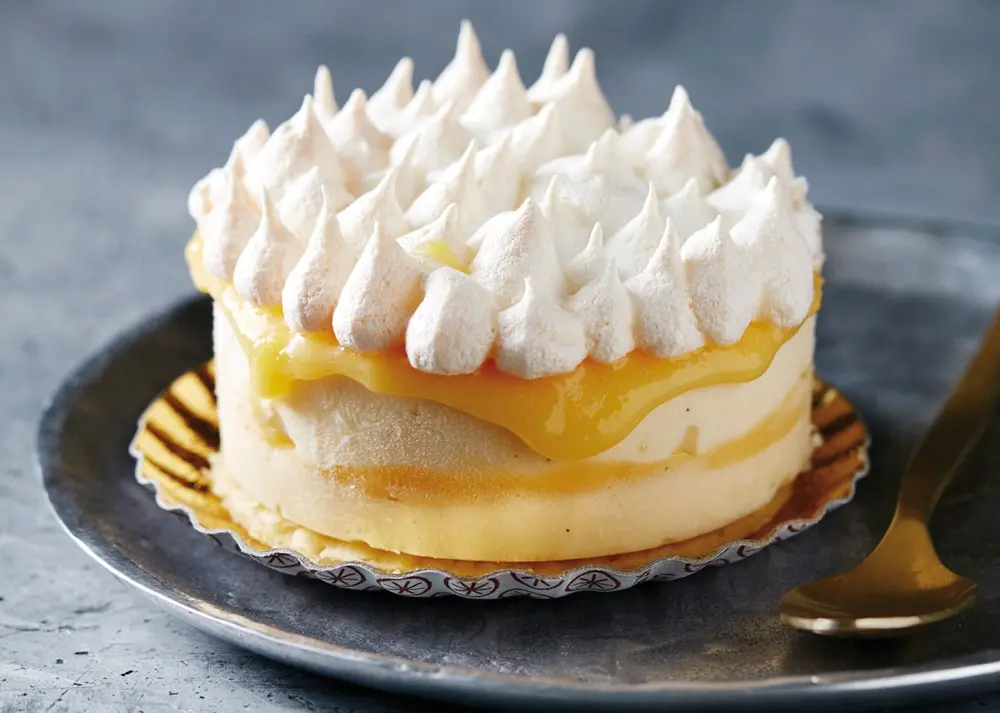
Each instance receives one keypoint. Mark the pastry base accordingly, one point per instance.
(181, 423)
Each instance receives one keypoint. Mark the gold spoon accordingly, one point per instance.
(902, 584)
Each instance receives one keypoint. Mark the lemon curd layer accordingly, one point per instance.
(566, 417)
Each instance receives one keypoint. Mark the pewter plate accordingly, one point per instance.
(904, 306)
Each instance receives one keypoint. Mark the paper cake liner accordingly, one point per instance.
(182, 421)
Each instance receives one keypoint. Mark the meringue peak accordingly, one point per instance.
(537, 140)
(605, 306)
(269, 256)
(297, 145)
(227, 229)
(380, 294)
(665, 323)
(208, 192)
(500, 103)
(778, 158)
(498, 176)
(736, 195)
(537, 337)
(724, 289)
(568, 224)
(439, 242)
(314, 284)
(684, 150)
(301, 204)
(362, 148)
(460, 187)
(415, 112)
(466, 73)
(453, 329)
(636, 241)
(435, 143)
(385, 105)
(590, 262)
(586, 113)
(688, 210)
(556, 65)
(512, 247)
(379, 205)
(250, 144)
(778, 255)
(602, 155)
(326, 103)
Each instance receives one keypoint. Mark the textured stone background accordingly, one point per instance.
(110, 110)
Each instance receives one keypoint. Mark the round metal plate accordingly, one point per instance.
(904, 306)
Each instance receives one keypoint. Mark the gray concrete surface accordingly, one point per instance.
(110, 110)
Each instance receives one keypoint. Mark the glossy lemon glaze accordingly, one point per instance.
(564, 417)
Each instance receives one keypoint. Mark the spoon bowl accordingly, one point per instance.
(893, 591)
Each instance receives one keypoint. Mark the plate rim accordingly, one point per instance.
(933, 680)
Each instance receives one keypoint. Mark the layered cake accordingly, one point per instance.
(480, 321)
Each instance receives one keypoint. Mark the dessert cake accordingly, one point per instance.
(479, 321)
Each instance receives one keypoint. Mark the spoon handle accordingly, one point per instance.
(954, 432)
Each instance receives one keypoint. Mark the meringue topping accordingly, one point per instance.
(500, 103)
(605, 306)
(433, 144)
(453, 329)
(513, 247)
(584, 112)
(299, 208)
(684, 150)
(665, 324)
(410, 179)
(723, 288)
(295, 147)
(537, 139)
(778, 158)
(569, 225)
(386, 104)
(380, 294)
(688, 210)
(326, 104)
(314, 284)
(497, 175)
(269, 256)
(420, 108)
(590, 262)
(227, 229)
(778, 255)
(736, 197)
(537, 337)
(379, 205)
(737, 194)
(208, 192)
(556, 65)
(475, 174)
(438, 243)
(465, 74)
(596, 183)
(637, 240)
(460, 189)
(362, 148)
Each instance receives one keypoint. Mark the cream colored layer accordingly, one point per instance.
(336, 422)
(671, 505)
